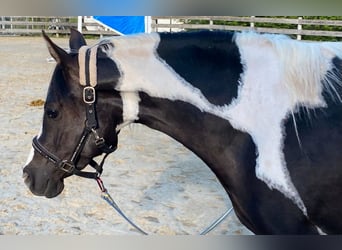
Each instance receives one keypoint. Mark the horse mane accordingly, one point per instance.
(307, 68)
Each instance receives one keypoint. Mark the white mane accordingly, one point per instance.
(304, 65)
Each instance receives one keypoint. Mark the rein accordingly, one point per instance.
(88, 79)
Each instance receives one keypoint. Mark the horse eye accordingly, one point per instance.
(52, 113)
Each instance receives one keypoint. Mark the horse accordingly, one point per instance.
(262, 111)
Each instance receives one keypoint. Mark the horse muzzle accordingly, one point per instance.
(42, 186)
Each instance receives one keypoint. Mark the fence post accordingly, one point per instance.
(148, 24)
(299, 28)
(156, 25)
(252, 23)
(79, 24)
(57, 27)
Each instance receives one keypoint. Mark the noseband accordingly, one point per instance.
(87, 62)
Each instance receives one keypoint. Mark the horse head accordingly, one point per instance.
(78, 123)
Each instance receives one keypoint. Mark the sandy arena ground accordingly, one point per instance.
(157, 182)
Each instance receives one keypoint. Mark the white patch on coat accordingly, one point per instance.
(130, 108)
(261, 107)
(279, 74)
(31, 154)
(30, 157)
(142, 70)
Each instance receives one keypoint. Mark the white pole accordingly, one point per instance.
(299, 37)
(79, 23)
(148, 24)
(252, 24)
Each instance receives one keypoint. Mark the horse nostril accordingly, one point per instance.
(25, 175)
(27, 178)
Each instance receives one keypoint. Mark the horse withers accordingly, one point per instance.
(267, 107)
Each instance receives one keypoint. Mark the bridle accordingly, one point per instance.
(88, 78)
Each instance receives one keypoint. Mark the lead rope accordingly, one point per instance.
(106, 196)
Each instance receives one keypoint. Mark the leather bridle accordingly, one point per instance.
(91, 126)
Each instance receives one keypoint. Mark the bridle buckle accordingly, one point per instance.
(89, 95)
(99, 142)
(67, 166)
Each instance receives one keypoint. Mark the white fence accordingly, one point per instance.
(299, 27)
(30, 25)
(296, 26)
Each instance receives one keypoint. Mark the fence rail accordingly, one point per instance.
(302, 28)
(296, 26)
(57, 25)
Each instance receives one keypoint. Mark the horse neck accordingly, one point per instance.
(207, 135)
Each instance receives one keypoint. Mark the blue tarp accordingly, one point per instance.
(123, 24)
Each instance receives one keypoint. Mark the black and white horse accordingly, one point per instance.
(262, 111)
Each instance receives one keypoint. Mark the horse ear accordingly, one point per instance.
(76, 40)
(56, 52)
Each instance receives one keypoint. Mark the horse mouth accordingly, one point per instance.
(51, 188)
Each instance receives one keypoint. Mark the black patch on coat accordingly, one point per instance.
(316, 166)
(209, 60)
